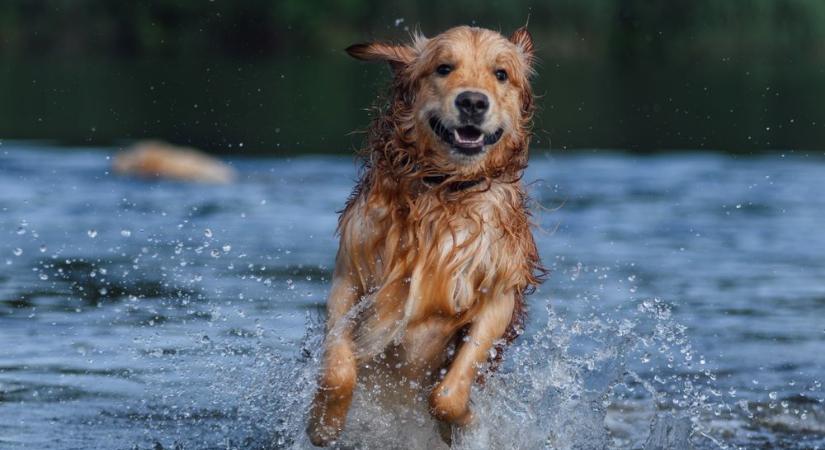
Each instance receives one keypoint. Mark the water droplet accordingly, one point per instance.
(125, 233)
(18, 251)
(226, 248)
(772, 395)
(92, 233)
(43, 248)
(207, 232)
(44, 277)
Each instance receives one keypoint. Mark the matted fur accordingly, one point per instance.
(419, 263)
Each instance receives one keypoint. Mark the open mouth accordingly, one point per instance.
(466, 139)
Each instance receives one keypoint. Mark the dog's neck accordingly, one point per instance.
(452, 186)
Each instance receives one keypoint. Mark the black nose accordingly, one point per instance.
(472, 104)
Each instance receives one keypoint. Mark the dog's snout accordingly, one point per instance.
(472, 104)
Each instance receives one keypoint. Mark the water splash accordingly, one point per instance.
(572, 386)
(574, 381)
(152, 340)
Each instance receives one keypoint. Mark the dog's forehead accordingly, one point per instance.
(479, 43)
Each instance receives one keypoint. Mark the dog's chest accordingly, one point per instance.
(447, 257)
(465, 262)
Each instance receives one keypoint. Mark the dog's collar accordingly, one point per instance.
(456, 186)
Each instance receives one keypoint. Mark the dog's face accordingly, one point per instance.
(469, 92)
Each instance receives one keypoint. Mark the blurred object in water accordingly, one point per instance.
(157, 159)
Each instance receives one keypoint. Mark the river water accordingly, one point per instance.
(685, 306)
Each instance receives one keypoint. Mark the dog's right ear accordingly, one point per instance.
(398, 56)
(524, 41)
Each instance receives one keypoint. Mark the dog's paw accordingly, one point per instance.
(451, 404)
(322, 432)
(329, 409)
(332, 400)
(326, 419)
(322, 436)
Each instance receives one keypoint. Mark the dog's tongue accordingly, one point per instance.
(468, 135)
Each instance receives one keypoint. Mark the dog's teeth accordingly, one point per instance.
(461, 140)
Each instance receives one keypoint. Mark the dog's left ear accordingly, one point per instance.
(524, 41)
(398, 56)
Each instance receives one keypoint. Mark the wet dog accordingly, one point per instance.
(436, 252)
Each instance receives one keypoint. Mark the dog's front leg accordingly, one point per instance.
(338, 374)
(449, 401)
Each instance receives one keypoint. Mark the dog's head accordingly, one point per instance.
(464, 95)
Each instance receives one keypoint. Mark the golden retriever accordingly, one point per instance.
(436, 251)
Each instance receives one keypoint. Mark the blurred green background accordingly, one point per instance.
(254, 76)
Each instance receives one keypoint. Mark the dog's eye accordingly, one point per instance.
(444, 69)
(501, 75)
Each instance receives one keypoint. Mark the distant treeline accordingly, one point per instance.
(626, 29)
(647, 75)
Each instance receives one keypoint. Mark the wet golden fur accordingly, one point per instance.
(430, 276)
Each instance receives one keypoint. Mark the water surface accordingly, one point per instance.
(686, 294)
